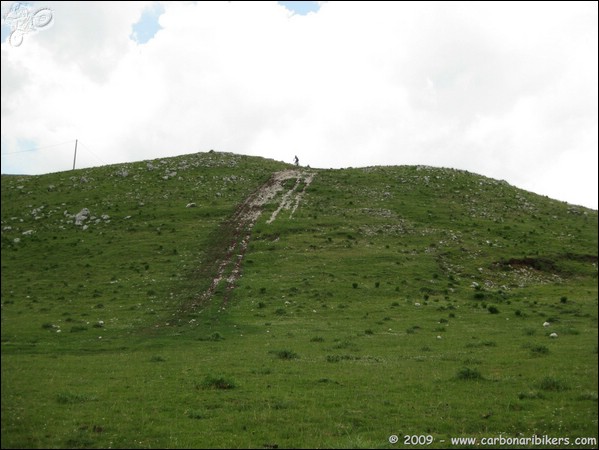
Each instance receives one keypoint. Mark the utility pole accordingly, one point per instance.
(75, 157)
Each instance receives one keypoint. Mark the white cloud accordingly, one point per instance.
(508, 90)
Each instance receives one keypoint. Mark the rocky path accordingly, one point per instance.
(228, 263)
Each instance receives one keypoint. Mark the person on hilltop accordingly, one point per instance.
(296, 160)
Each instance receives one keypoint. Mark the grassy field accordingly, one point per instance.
(406, 301)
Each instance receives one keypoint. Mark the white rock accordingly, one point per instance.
(546, 324)
(82, 216)
(553, 335)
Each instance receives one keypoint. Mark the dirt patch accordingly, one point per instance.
(541, 264)
(545, 263)
(234, 235)
(292, 198)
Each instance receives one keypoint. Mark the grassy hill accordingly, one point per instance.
(203, 301)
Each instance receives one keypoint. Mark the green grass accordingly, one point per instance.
(395, 300)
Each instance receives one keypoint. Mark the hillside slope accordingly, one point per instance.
(218, 300)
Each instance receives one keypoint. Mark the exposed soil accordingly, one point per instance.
(545, 264)
(225, 261)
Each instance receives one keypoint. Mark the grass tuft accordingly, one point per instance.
(467, 373)
(553, 384)
(219, 383)
(285, 354)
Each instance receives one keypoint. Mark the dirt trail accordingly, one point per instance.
(228, 264)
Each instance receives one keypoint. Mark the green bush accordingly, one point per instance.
(211, 382)
(469, 374)
(552, 384)
(285, 354)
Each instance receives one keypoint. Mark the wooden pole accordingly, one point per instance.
(75, 157)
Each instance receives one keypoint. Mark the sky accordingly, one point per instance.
(503, 89)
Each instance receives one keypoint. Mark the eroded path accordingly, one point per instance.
(292, 185)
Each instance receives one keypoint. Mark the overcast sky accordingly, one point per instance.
(506, 90)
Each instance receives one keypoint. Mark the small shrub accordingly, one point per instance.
(261, 305)
(157, 358)
(563, 299)
(317, 339)
(493, 310)
(286, 354)
(552, 384)
(215, 337)
(211, 382)
(355, 285)
(468, 374)
(368, 331)
(195, 414)
(77, 328)
(539, 350)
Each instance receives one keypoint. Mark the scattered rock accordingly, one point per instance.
(82, 216)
